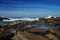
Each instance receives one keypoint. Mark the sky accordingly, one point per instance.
(29, 8)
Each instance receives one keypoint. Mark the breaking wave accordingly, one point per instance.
(22, 19)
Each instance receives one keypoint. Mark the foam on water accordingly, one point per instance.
(23, 19)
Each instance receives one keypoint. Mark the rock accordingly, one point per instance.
(37, 30)
(55, 31)
(16, 38)
(29, 36)
(51, 37)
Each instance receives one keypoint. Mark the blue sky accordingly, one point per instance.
(29, 8)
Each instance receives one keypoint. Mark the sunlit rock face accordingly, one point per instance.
(22, 35)
(51, 37)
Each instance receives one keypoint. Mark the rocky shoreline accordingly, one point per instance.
(30, 32)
